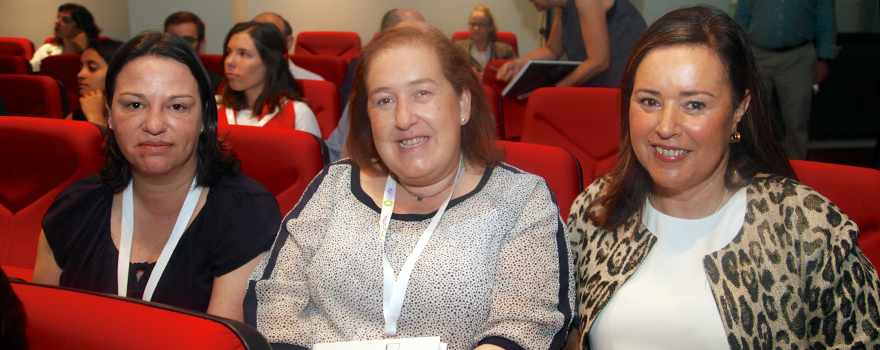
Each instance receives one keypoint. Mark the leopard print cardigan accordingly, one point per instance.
(792, 278)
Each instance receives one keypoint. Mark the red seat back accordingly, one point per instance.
(495, 109)
(40, 158)
(343, 44)
(502, 37)
(324, 100)
(213, 63)
(60, 318)
(331, 68)
(283, 160)
(584, 121)
(31, 95)
(17, 46)
(855, 191)
(513, 110)
(64, 68)
(14, 64)
(556, 165)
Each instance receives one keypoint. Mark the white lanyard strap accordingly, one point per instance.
(230, 116)
(395, 290)
(127, 227)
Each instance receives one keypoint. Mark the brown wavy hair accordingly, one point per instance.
(477, 136)
(760, 150)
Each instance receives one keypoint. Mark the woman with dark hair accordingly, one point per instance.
(170, 218)
(483, 46)
(701, 237)
(258, 79)
(92, 72)
(75, 29)
(423, 221)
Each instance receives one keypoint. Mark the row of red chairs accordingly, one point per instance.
(346, 45)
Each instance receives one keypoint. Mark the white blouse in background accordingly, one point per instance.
(667, 303)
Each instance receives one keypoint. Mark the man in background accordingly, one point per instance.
(284, 27)
(191, 28)
(792, 41)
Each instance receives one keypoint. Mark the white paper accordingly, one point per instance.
(421, 343)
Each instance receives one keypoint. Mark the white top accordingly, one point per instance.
(305, 118)
(667, 303)
(44, 51)
(482, 57)
(301, 73)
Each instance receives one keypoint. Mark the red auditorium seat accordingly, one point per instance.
(17, 46)
(331, 68)
(49, 39)
(32, 96)
(343, 44)
(324, 100)
(557, 166)
(64, 68)
(855, 191)
(213, 63)
(40, 158)
(502, 37)
(14, 64)
(283, 160)
(61, 318)
(495, 109)
(513, 110)
(584, 121)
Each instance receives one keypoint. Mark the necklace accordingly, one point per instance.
(419, 197)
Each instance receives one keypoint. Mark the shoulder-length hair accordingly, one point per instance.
(278, 82)
(213, 162)
(760, 150)
(83, 19)
(477, 136)
(493, 28)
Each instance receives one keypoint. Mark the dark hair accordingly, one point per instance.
(83, 19)
(760, 150)
(212, 160)
(493, 28)
(13, 319)
(278, 82)
(477, 136)
(105, 48)
(182, 17)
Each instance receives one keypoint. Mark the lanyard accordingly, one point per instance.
(230, 117)
(395, 290)
(189, 206)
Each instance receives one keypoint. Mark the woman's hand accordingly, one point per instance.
(92, 105)
(509, 70)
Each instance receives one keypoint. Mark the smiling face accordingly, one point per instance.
(415, 114)
(92, 71)
(244, 66)
(65, 27)
(681, 117)
(156, 117)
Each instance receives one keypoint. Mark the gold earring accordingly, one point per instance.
(735, 137)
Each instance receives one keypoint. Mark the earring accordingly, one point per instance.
(462, 121)
(735, 137)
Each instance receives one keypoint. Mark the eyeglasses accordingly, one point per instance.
(479, 25)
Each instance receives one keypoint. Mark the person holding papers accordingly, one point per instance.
(170, 213)
(423, 232)
(600, 33)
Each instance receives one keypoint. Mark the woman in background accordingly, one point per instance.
(258, 79)
(170, 218)
(600, 33)
(702, 237)
(483, 45)
(74, 29)
(92, 71)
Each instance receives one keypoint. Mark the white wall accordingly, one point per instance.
(33, 19)
(217, 15)
(653, 9)
(363, 17)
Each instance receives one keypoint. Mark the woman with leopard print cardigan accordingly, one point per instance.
(701, 237)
